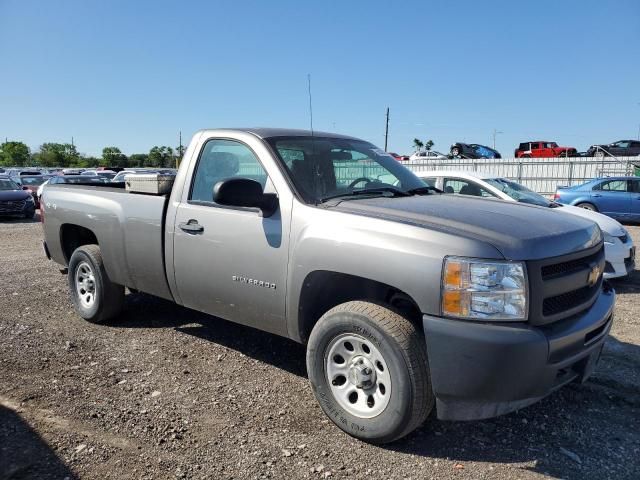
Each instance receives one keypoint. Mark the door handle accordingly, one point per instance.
(192, 226)
(596, 195)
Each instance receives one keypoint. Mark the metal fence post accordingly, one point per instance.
(520, 171)
(570, 172)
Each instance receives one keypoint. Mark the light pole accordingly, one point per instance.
(495, 134)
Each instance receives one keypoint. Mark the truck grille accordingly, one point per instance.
(12, 206)
(560, 287)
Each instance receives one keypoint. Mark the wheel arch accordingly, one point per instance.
(73, 236)
(324, 289)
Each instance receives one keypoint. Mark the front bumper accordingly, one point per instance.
(620, 258)
(481, 370)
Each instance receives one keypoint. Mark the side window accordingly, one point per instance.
(524, 146)
(634, 186)
(464, 187)
(222, 159)
(612, 186)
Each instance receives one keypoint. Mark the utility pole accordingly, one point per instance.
(386, 131)
(495, 134)
(179, 157)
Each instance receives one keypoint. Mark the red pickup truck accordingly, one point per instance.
(540, 149)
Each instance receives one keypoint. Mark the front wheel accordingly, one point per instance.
(587, 206)
(95, 297)
(368, 369)
(455, 151)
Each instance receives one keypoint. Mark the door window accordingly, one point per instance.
(612, 186)
(465, 187)
(634, 186)
(222, 159)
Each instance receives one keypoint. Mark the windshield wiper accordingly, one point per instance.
(370, 191)
(420, 190)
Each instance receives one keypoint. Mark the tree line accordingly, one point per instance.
(65, 155)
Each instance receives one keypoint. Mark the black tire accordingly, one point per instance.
(526, 155)
(108, 297)
(455, 151)
(587, 206)
(404, 350)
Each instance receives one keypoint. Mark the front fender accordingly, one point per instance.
(406, 257)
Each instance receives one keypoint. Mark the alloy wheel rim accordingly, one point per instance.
(358, 375)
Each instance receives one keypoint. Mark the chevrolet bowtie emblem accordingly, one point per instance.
(594, 275)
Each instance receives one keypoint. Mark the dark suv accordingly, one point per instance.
(621, 148)
(473, 150)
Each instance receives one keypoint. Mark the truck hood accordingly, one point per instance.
(519, 232)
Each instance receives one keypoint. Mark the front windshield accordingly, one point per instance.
(518, 192)
(6, 184)
(39, 180)
(323, 167)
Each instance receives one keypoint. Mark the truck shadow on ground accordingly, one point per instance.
(145, 311)
(24, 454)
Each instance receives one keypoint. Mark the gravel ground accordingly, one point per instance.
(167, 392)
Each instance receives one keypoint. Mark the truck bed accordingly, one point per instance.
(129, 228)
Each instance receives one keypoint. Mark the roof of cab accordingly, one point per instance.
(265, 133)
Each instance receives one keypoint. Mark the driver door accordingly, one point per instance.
(231, 261)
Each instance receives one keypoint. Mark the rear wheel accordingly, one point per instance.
(368, 369)
(95, 297)
(587, 206)
(599, 154)
(455, 151)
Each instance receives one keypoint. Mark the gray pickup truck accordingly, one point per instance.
(406, 299)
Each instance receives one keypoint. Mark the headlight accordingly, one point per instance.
(484, 289)
(29, 199)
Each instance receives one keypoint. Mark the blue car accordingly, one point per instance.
(617, 197)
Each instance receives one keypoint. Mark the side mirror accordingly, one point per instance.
(25, 188)
(244, 192)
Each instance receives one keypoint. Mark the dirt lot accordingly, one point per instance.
(167, 392)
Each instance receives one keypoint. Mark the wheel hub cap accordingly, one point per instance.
(85, 284)
(357, 375)
(361, 372)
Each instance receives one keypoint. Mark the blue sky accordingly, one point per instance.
(134, 73)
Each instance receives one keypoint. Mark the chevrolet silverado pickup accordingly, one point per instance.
(407, 300)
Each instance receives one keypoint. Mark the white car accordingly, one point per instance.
(426, 155)
(618, 245)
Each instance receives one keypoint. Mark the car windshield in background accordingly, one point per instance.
(6, 184)
(80, 179)
(38, 180)
(518, 192)
(328, 167)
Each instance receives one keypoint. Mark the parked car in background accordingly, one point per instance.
(400, 158)
(617, 197)
(108, 174)
(14, 201)
(618, 244)
(426, 155)
(473, 150)
(541, 149)
(31, 183)
(621, 148)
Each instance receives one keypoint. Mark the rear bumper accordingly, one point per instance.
(481, 370)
